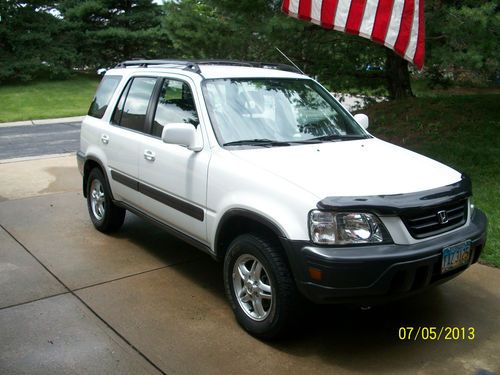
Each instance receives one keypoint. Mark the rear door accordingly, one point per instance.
(173, 179)
(122, 139)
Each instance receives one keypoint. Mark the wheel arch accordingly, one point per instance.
(237, 221)
(89, 164)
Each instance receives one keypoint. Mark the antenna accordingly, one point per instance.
(289, 60)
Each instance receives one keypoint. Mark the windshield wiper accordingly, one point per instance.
(307, 141)
(256, 142)
(338, 137)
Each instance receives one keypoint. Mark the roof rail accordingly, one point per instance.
(187, 65)
(194, 65)
(254, 64)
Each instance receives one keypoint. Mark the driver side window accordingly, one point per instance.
(175, 104)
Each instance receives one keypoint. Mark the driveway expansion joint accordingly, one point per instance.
(33, 300)
(138, 351)
(136, 274)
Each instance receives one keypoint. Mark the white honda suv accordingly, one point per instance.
(259, 166)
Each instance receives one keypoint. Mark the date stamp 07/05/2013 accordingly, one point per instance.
(444, 333)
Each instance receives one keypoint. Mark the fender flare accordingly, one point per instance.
(96, 160)
(249, 215)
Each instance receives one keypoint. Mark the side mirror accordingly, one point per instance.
(182, 134)
(362, 120)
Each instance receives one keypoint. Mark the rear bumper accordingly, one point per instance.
(371, 274)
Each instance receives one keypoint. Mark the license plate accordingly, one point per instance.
(455, 256)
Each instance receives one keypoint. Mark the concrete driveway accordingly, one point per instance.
(73, 300)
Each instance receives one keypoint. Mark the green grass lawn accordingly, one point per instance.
(462, 131)
(47, 99)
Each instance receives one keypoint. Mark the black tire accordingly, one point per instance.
(284, 302)
(111, 218)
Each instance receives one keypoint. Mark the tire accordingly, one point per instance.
(273, 286)
(105, 215)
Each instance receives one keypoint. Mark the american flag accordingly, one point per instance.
(397, 24)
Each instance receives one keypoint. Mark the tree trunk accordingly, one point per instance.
(398, 76)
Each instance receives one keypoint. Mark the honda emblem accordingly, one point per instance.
(442, 217)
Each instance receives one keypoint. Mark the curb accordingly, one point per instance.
(42, 122)
(37, 157)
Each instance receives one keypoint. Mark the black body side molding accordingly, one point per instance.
(167, 199)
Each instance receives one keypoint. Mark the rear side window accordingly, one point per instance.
(131, 111)
(103, 95)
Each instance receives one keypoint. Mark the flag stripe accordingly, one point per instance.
(398, 24)
(285, 6)
(305, 10)
(394, 23)
(369, 18)
(412, 43)
(328, 10)
(294, 7)
(420, 52)
(355, 16)
(382, 18)
(405, 28)
(341, 14)
(316, 11)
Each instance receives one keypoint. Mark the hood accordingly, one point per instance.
(351, 168)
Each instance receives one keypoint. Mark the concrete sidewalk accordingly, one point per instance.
(73, 300)
(42, 122)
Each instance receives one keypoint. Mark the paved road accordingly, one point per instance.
(34, 140)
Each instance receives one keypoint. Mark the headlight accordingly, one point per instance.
(471, 206)
(343, 228)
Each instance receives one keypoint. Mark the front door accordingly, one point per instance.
(173, 179)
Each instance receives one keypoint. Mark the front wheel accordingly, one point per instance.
(105, 215)
(259, 286)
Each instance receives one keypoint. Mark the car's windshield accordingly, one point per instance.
(275, 111)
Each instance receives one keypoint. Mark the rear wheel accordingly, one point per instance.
(259, 286)
(105, 215)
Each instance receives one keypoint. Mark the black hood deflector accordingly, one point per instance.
(399, 203)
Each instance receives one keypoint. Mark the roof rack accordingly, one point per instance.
(254, 64)
(194, 65)
(186, 65)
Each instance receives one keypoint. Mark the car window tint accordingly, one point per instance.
(133, 113)
(175, 104)
(103, 95)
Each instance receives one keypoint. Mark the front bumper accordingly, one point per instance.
(370, 274)
(80, 160)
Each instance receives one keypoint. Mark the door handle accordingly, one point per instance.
(149, 155)
(105, 139)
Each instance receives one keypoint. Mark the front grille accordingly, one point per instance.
(426, 222)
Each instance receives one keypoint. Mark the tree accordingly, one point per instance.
(198, 31)
(251, 30)
(109, 31)
(397, 76)
(462, 42)
(463, 39)
(33, 41)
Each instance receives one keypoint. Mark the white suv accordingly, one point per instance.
(260, 167)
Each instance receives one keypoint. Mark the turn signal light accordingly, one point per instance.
(315, 274)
